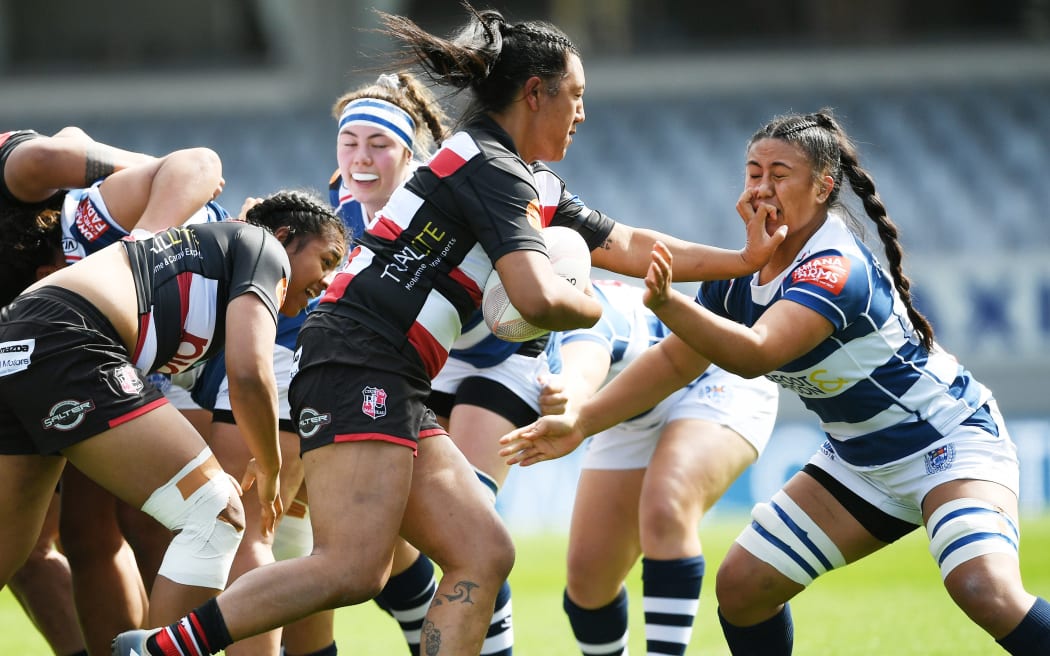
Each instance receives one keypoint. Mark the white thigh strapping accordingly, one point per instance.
(294, 537)
(202, 551)
(963, 529)
(785, 537)
(282, 369)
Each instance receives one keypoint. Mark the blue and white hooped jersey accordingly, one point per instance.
(87, 225)
(879, 394)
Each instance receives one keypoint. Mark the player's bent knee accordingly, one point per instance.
(347, 588)
(207, 516)
(963, 529)
(782, 535)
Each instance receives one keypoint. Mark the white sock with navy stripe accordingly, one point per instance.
(407, 598)
(500, 639)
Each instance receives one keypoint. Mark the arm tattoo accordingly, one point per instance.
(431, 637)
(98, 164)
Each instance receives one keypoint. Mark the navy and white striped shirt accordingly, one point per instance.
(879, 394)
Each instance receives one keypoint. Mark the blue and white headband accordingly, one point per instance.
(386, 115)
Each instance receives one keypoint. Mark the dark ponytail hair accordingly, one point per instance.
(488, 55)
(831, 152)
(302, 213)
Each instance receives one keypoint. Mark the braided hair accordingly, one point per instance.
(490, 56)
(302, 213)
(831, 152)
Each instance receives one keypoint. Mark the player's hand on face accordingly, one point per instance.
(546, 438)
(267, 487)
(658, 277)
(760, 244)
(554, 398)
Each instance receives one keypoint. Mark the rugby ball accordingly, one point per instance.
(570, 259)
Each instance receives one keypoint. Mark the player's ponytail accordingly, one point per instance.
(488, 55)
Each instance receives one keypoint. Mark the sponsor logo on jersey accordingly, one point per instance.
(281, 291)
(311, 421)
(67, 415)
(127, 380)
(88, 222)
(374, 404)
(828, 272)
(190, 350)
(16, 356)
(534, 214)
(172, 245)
(797, 384)
(828, 452)
(717, 394)
(817, 382)
(940, 459)
(296, 357)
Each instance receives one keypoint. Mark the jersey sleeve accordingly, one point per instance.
(833, 284)
(713, 295)
(260, 267)
(501, 203)
(572, 212)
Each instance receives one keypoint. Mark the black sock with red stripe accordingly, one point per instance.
(201, 633)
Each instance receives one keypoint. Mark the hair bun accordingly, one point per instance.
(389, 81)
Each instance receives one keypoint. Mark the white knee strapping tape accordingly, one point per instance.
(295, 535)
(783, 536)
(963, 529)
(201, 554)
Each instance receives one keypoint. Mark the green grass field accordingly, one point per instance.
(890, 603)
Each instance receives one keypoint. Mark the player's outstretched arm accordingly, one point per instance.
(627, 250)
(650, 378)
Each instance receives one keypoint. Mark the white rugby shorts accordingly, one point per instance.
(747, 406)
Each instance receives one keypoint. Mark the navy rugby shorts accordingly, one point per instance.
(65, 375)
(350, 384)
